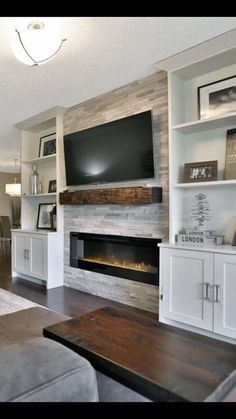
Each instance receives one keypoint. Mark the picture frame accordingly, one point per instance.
(52, 186)
(230, 154)
(217, 98)
(203, 171)
(47, 145)
(44, 218)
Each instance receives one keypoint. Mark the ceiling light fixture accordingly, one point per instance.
(36, 45)
(13, 189)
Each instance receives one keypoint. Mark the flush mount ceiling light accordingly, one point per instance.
(36, 45)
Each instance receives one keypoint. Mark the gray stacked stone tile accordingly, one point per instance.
(131, 220)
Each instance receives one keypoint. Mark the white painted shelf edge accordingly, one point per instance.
(206, 184)
(38, 195)
(223, 248)
(203, 124)
(41, 159)
(31, 231)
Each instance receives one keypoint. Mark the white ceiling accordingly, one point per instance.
(100, 54)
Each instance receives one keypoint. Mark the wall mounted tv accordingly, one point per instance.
(116, 151)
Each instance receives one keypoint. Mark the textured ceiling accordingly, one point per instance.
(100, 54)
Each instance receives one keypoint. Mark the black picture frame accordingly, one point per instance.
(217, 98)
(47, 145)
(44, 216)
(52, 186)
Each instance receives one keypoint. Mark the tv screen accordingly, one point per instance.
(120, 150)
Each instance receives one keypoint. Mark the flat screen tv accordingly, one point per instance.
(116, 151)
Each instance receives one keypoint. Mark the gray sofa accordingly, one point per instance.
(36, 369)
(41, 370)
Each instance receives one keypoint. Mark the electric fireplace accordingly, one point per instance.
(132, 258)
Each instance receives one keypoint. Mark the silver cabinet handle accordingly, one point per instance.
(207, 285)
(217, 300)
(26, 254)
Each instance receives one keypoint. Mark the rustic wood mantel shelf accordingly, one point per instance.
(129, 195)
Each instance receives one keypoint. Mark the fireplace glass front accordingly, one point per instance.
(132, 258)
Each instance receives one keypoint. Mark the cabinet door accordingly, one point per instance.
(19, 253)
(187, 285)
(224, 295)
(37, 256)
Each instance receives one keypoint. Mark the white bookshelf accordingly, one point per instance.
(194, 140)
(197, 282)
(38, 254)
(49, 167)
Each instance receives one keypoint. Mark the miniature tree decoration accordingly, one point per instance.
(200, 210)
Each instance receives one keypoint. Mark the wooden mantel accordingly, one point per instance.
(129, 195)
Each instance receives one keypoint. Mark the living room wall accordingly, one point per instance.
(150, 221)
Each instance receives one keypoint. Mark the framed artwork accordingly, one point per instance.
(52, 186)
(44, 219)
(203, 171)
(230, 154)
(47, 145)
(217, 98)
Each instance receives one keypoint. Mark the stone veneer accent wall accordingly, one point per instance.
(131, 220)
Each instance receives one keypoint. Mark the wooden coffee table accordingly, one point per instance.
(161, 362)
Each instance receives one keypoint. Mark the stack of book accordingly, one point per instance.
(199, 237)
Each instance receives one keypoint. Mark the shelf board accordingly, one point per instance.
(51, 157)
(222, 248)
(39, 195)
(205, 124)
(33, 231)
(206, 184)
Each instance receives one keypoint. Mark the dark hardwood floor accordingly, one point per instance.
(61, 299)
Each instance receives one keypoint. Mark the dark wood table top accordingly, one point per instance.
(163, 363)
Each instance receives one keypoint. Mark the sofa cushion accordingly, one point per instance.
(26, 324)
(110, 390)
(42, 370)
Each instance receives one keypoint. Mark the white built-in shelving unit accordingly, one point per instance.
(197, 283)
(33, 256)
(194, 140)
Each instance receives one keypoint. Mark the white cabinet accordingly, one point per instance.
(188, 276)
(198, 288)
(225, 287)
(37, 255)
(19, 253)
(30, 254)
